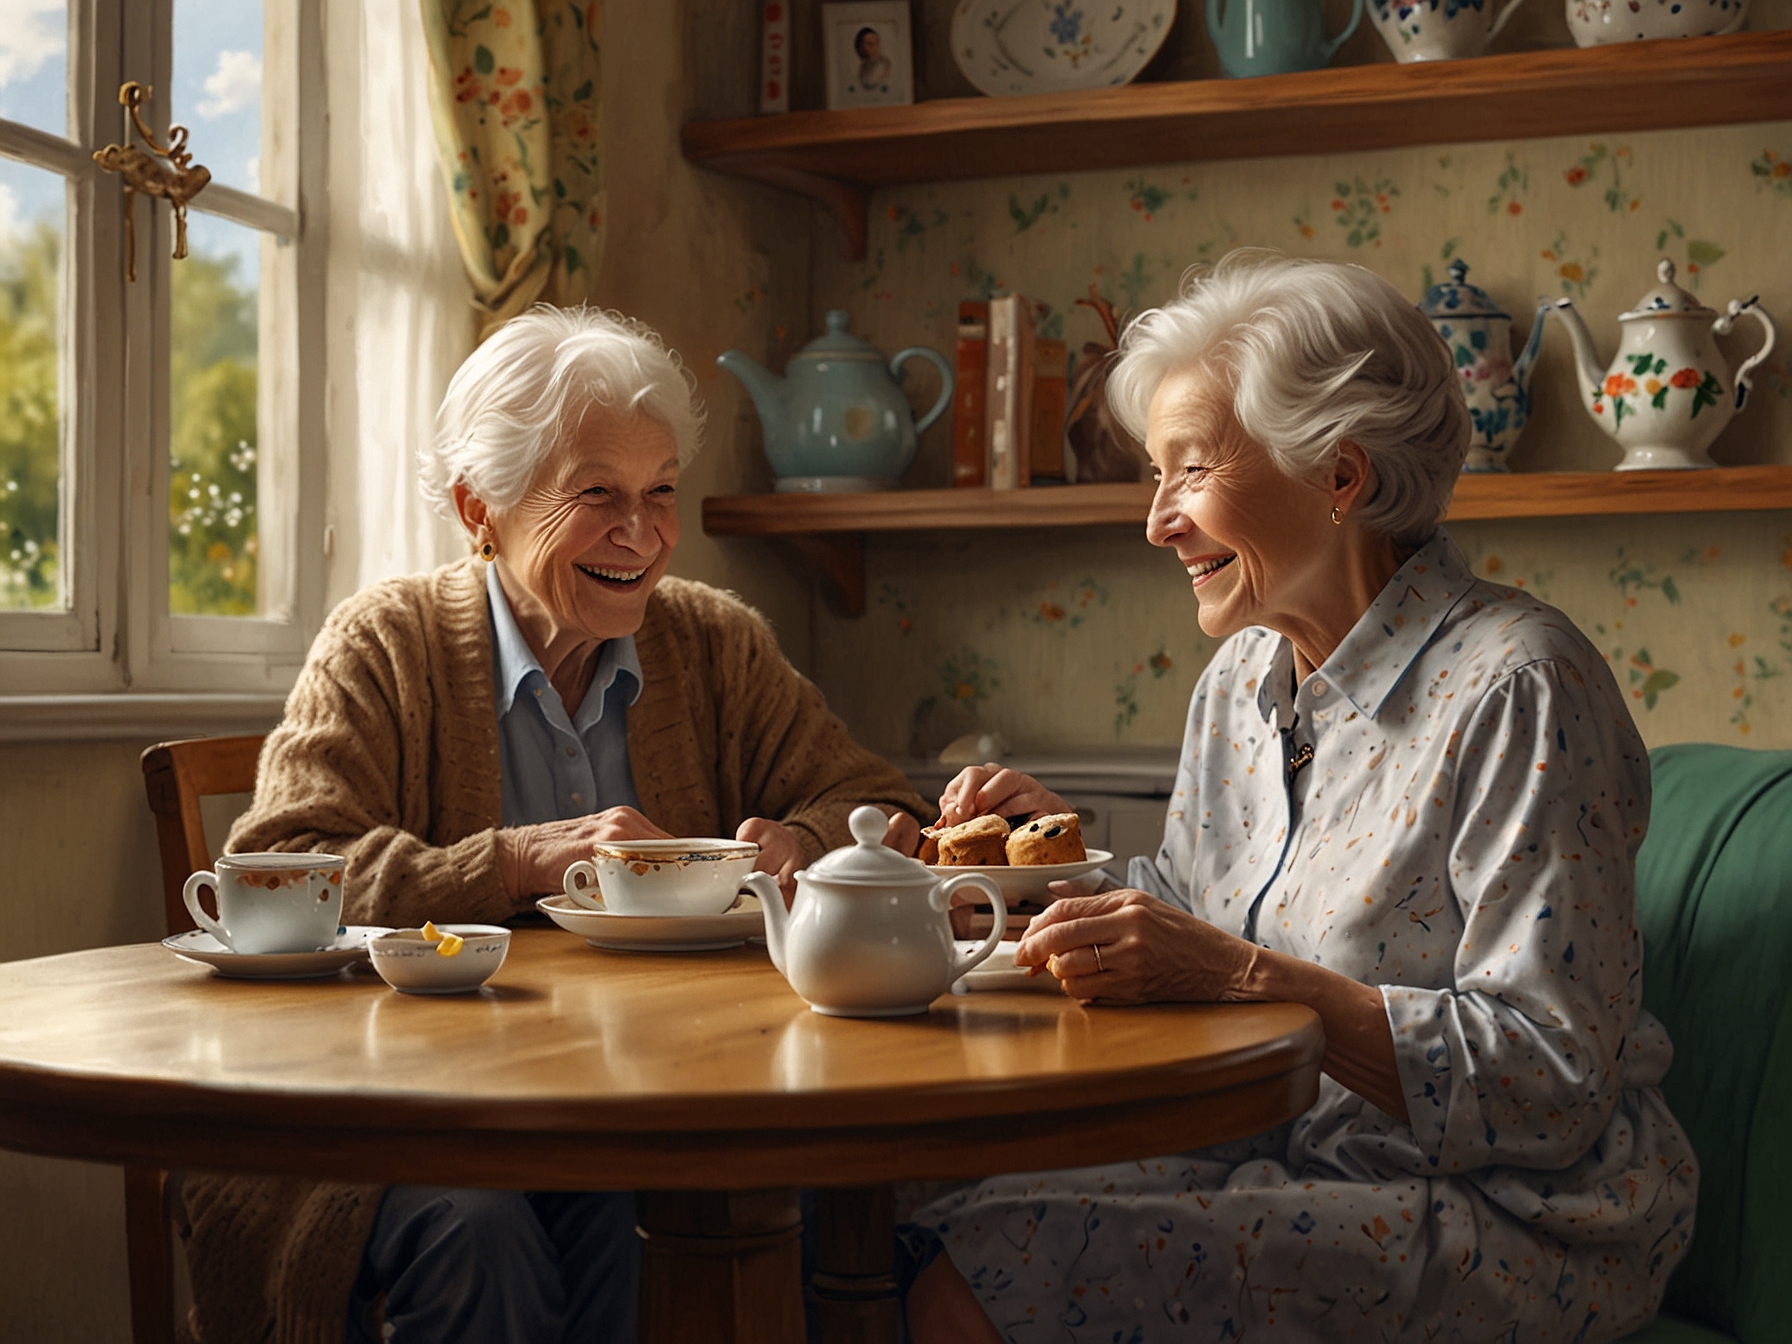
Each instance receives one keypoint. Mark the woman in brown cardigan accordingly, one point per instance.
(462, 737)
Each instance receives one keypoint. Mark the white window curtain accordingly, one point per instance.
(401, 312)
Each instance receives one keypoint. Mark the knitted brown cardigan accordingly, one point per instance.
(388, 755)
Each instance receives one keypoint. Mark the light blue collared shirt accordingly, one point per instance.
(555, 768)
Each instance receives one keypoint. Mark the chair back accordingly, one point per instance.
(176, 776)
(1714, 899)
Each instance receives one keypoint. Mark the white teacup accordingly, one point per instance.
(271, 902)
(662, 877)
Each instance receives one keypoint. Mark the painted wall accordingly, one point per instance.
(1075, 638)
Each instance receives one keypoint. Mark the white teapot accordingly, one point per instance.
(1670, 391)
(868, 935)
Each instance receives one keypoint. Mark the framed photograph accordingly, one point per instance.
(869, 53)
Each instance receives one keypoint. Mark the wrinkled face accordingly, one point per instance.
(1254, 542)
(596, 529)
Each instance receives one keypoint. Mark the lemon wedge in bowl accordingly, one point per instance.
(432, 960)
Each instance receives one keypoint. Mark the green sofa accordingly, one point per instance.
(1714, 896)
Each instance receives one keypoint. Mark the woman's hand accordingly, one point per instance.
(1150, 952)
(779, 852)
(903, 835)
(979, 790)
(532, 860)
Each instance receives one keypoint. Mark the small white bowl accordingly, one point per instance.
(413, 966)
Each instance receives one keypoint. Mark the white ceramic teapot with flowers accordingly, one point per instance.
(1597, 22)
(1438, 30)
(868, 934)
(1670, 390)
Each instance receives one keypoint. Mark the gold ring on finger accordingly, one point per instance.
(1100, 969)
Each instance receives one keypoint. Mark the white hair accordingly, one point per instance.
(1314, 353)
(531, 382)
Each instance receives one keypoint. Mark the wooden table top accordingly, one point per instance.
(579, 1068)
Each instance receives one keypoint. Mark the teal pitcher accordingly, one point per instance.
(1274, 37)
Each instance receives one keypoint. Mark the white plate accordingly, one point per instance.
(1048, 46)
(657, 933)
(1028, 881)
(1000, 972)
(199, 946)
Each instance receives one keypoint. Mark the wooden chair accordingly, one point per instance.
(176, 775)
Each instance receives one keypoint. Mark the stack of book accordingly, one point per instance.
(1008, 415)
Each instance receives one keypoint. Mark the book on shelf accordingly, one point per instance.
(970, 466)
(1045, 443)
(774, 56)
(1010, 391)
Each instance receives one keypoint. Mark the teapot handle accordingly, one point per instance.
(1753, 308)
(977, 955)
(1356, 17)
(948, 383)
(1500, 22)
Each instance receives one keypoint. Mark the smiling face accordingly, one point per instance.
(1260, 548)
(585, 546)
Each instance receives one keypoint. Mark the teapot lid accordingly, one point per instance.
(870, 862)
(839, 343)
(1457, 298)
(1667, 298)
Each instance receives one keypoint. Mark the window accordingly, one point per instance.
(161, 442)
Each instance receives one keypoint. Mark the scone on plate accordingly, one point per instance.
(978, 843)
(1057, 838)
(930, 845)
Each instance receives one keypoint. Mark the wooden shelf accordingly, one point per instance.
(831, 529)
(839, 157)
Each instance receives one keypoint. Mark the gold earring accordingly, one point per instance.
(1337, 519)
(489, 552)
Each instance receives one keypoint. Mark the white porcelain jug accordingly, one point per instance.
(868, 934)
(1438, 30)
(1669, 392)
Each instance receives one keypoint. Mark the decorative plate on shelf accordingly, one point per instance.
(1051, 46)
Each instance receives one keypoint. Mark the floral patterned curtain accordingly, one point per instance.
(514, 97)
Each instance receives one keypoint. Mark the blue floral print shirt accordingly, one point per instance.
(1464, 837)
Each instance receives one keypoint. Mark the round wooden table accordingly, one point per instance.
(699, 1079)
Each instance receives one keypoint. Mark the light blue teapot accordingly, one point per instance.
(1274, 37)
(838, 418)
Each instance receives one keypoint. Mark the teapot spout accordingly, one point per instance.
(1589, 372)
(1521, 367)
(765, 387)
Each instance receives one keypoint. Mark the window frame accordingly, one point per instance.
(118, 633)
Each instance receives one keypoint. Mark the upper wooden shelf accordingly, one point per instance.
(839, 157)
(832, 527)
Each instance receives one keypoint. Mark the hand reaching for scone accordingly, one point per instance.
(982, 790)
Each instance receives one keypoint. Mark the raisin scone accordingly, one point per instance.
(1057, 838)
(977, 843)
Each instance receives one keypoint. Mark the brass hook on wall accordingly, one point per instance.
(177, 182)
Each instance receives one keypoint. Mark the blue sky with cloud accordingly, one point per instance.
(216, 95)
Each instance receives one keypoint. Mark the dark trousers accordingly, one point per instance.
(470, 1266)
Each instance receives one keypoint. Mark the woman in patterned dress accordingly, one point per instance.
(1409, 799)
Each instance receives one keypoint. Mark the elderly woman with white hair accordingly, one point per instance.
(1409, 799)
(461, 737)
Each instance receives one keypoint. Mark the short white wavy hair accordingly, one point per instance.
(531, 382)
(1314, 352)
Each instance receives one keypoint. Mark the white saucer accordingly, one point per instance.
(200, 947)
(1029, 881)
(657, 933)
(998, 971)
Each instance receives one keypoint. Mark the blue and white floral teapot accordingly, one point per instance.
(1498, 387)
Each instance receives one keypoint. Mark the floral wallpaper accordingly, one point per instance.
(1086, 637)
